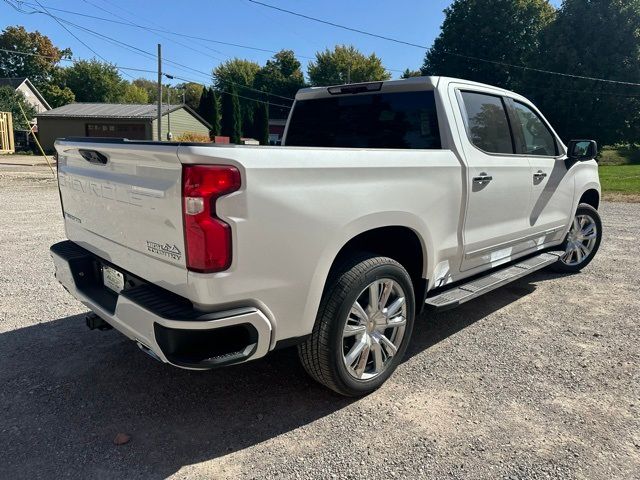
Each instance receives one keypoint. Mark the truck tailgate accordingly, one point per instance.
(122, 201)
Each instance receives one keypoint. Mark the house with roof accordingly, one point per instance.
(31, 93)
(132, 121)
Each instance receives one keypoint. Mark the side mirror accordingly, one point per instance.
(582, 150)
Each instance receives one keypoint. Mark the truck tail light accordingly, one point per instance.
(207, 237)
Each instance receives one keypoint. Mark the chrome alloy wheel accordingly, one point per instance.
(581, 240)
(374, 329)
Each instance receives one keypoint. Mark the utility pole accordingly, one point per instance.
(159, 93)
(169, 134)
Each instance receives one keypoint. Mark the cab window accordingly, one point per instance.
(536, 138)
(486, 122)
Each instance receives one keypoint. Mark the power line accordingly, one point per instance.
(150, 55)
(162, 30)
(130, 23)
(17, 52)
(423, 47)
(236, 94)
(74, 36)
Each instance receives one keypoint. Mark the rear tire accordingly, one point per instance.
(582, 242)
(363, 326)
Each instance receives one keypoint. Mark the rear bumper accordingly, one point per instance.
(160, 322)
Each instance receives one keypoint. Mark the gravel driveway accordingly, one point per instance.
(540, 379)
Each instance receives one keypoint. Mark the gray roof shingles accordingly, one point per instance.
(108, 110)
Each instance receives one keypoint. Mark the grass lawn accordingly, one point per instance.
(620, 173)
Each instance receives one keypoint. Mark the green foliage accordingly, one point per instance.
(151, 87)
(135, 94)
(39, 68)
(598, 38)
(192, 93)
(55, 95)
(10, 100)
(42, 69)
(232, 74)
(506, 31)
(94, 81)
(619, 155)
(231, 125)
(261, 124)
(410, 73)
(345, 64)
(236, 133)
(209, 109)
(282, 76)
(235, 71)
(214, 118)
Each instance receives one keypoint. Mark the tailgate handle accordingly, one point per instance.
(93, 156)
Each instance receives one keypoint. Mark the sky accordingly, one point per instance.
(232, 21)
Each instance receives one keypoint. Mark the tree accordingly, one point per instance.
(55, 95)
(209, 109)
(151, 87)
(506, 31)
(192, 93)
(41, 68)
(345, 64)
(94, 81)
(261, 124)
(38, 67)
(281, 76)
(578, 108)
(236, 73)
(214, 116)
(231, 116)
(410, 73)
(10, 99)
(135, 94)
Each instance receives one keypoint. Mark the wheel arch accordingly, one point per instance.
(591, 197)
(368, 234)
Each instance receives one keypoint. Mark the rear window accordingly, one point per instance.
(381, 120)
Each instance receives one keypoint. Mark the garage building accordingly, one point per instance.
(132, 121)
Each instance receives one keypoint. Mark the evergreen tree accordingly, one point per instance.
(214, 120)
(202, 105)
(261, 124)
(237, 117)
(231, 124)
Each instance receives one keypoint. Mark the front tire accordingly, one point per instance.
(363, 326)
(582, 242)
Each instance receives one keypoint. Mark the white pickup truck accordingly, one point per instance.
(386, 198)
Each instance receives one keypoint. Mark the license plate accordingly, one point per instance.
(112, 279)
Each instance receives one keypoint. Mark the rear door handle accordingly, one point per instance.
(482, 179)
(539, 175)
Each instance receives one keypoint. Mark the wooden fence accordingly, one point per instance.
(7, 144)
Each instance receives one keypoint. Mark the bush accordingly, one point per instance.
(193, 137)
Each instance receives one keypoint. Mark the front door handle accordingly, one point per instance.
(482, 179)
(539, 175)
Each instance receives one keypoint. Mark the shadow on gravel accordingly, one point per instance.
(67, 391)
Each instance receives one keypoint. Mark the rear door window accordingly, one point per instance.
(406, 120)
(486, 122)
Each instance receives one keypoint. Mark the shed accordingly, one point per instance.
(132, 121)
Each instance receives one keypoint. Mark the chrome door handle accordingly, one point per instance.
(539, 175)
(482, 179)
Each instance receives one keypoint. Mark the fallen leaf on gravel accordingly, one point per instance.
(121, 439)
